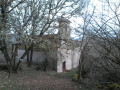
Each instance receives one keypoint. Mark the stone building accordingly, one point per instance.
(68, 53)
(64, 54)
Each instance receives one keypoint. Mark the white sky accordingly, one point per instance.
(98, 9)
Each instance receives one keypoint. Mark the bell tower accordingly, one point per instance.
(64, 30)
(63, 53)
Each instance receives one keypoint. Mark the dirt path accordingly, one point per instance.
(38, 80)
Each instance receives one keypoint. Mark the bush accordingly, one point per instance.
(99, 86)
(114, 86)
(75, 77)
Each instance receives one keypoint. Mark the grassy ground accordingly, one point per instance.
(30, 79)
(68, 74)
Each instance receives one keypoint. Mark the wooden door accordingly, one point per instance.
(64, 66)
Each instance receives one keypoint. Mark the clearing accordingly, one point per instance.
(30, 79)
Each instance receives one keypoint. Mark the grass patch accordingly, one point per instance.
(68, 74)
(10, 85)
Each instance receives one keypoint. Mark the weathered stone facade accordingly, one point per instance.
(67, 55)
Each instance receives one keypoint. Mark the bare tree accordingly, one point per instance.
(26, 19)
(109, 40)
(105, 29)
(84, 34)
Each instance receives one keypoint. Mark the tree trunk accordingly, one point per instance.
(80, 66)
(31, 55)
(28, 57)
(20, 60)
(14, 54)
(80, 69)
(6, 55)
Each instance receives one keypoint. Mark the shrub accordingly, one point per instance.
(75, 77)
(114, 86)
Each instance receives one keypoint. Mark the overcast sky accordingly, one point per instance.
(99, 6)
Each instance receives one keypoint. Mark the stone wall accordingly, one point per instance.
(52, 59)
(76, 57)
(38, 56)
(2, 58)
(71, 57)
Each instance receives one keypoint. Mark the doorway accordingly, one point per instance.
(64, 66)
